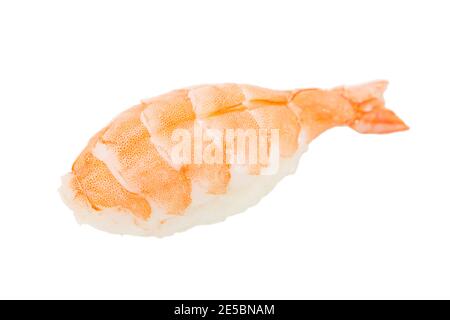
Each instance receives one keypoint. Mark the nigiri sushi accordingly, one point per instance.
(198, 155)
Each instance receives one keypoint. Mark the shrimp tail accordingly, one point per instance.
(371, 115)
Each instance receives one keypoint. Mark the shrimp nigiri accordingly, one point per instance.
(198, 155)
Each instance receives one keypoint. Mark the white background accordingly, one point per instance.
(364, 216)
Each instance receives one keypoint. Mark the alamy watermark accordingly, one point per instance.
(235, 146)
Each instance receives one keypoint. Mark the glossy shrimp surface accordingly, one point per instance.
(127, 165)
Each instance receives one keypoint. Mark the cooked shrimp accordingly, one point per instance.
(128, 181)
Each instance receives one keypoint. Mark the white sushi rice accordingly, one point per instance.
(244, 191)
